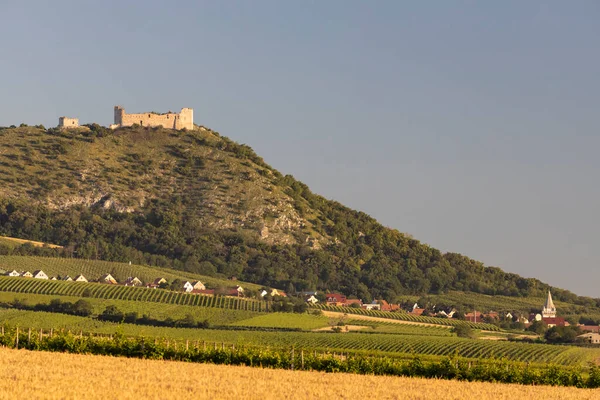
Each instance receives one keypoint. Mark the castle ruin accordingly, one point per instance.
(67, 123)
(170, 120)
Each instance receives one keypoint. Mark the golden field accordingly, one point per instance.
(32, 375)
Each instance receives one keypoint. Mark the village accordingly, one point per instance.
(547, 316)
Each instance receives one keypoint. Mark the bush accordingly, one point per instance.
(463, 331)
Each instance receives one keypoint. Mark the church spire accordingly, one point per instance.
(549, 310)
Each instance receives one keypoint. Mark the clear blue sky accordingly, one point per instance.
(471, 125)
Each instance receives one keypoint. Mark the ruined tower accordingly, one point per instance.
(170, 120)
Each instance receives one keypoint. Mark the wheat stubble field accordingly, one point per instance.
(32, 375)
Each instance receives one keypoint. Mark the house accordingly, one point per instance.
(312, 299)
(591, 337)
(509, 316)
(263, 293)
(372, 306)
(39, 274)
(350, 302)
(156, 283)
(80, 278)
(133, 281)
(385, 306)
(198, 286)
(13, 273)
(280, 293)
(416, 310)
(108, 278)
(53, 278)
(447, 315)
(589, 328)
(335, 299)
(237, 291)
(26, 274)
(475, 316)
(187, 287)
(67, 279)
(555, 321)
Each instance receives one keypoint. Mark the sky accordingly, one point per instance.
(471, 125)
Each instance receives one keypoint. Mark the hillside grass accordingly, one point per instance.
(15, 242)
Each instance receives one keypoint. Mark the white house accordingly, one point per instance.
(13, 273)
(198, 286)
(108, 278)
(372, 306)
(39, 274)
(188, 287)
(312, 299)
(67, 279)
(263, 293)
(591, 337)
(26, 274)
(80, 278)
(133, 281)
(53, 278)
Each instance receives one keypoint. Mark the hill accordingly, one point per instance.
(198, 202)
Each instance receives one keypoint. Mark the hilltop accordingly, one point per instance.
(196, 201)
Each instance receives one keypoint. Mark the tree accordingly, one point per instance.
(538, 327)
(464, 331)
(82, 308)
(111, 313)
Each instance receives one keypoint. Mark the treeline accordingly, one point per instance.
(366, 260)
(297, 359)
(113, 314)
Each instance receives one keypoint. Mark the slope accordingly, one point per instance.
(199, 202)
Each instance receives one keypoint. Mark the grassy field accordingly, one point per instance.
(15, 242)
(100, 377)
(94, 269)
(375, 343)
(286, 320)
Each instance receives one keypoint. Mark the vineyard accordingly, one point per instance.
(285, 320)
(117, 292)
(382, 344)
(403, 316)
(93, 269)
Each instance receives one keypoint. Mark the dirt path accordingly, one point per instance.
(334, 314)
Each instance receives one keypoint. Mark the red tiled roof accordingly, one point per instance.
(558, 321)
(353, 301)
(590, 328)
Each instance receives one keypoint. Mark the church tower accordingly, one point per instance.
(549, 311)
